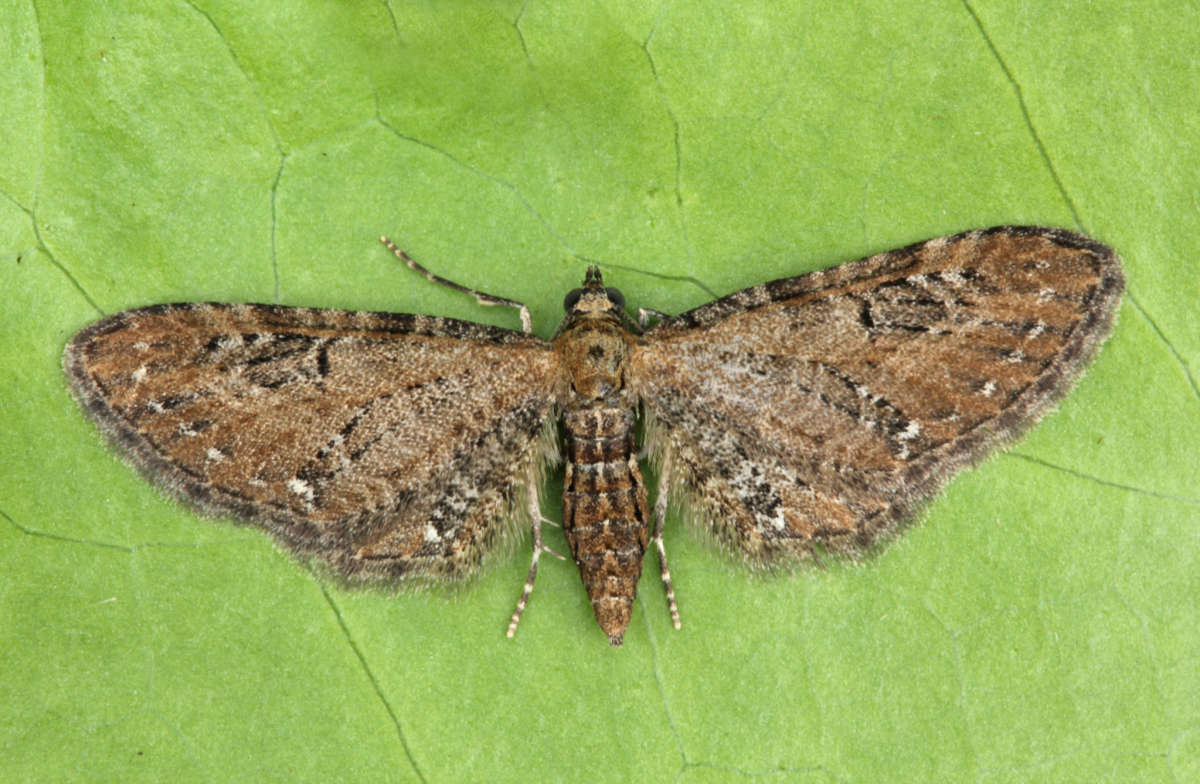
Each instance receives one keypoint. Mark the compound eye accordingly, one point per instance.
(572, 299)
(616, 297)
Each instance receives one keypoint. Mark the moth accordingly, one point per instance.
(808, 415)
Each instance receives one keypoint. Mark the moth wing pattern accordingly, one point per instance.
(388, 444)
(815, 413)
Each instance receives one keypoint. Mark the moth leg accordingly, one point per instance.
(483, 298)
(535, 516)
(645, 314)
(660, 516)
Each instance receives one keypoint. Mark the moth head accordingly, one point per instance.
(594, 297)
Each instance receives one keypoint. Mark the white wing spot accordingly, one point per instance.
(989, 389)
(139, 375)
(300, 488)
(214, 454)
(912, 431)
(431, 534)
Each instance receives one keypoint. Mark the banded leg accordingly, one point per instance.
(534, 509)
(483, 298)
(660, 515)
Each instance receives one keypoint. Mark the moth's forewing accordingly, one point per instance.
(820, 410)
(387, 444)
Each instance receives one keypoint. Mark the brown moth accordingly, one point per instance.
(806, 415)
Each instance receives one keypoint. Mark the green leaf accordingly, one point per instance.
(1040, 624)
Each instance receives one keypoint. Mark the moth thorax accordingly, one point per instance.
(594, 354)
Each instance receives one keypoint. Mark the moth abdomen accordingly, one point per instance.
(605, 516)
